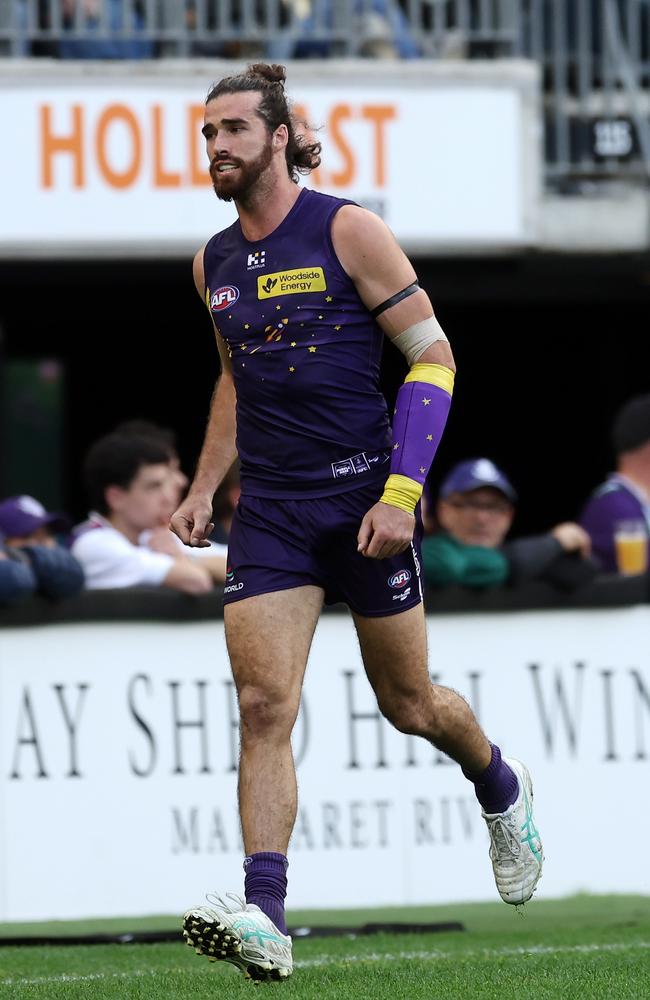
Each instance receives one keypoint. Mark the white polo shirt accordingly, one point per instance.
(110, 560)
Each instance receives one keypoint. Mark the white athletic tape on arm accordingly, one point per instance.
(414, 341)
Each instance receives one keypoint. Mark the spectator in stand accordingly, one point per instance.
(474, 511)
(625, 494)
(17, 580)
(127, 481)
(105, 20)
(212, 557)
(30, 535)
(225, 503)
(382, 31)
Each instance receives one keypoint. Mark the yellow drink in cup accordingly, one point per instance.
(631, 541)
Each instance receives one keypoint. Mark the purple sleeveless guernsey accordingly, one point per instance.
(305, 353)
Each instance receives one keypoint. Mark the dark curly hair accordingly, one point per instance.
(274, 109)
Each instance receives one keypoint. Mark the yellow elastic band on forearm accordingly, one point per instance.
(402, 492)
(433, 374)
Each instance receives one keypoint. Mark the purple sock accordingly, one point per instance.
(265, 884)
(496, 787)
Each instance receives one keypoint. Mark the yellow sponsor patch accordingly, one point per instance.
(300, 279)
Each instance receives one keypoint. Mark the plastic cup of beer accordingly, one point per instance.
(631, 541)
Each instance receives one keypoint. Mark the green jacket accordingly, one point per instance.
(447, 561)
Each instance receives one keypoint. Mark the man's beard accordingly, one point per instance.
(247, 176)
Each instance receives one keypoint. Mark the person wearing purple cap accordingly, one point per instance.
(475, 510)
(624, 497)
(31, 535)
(302, 290)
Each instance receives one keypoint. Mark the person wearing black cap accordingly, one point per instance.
(475, 510)
(625, 494)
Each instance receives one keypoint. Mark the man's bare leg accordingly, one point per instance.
(268, 640)
(394, 651)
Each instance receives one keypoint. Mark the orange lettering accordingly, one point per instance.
(161, 177)
(51, 144)
(341, 178)
(111, 114)
(379, 114)
(199, 175)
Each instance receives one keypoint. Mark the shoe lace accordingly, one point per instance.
(504, 843)
(216, 899)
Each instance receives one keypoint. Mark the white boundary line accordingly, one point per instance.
(328, 960)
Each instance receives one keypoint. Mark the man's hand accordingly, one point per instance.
(192, 523)
(573, 538)
(385, 531)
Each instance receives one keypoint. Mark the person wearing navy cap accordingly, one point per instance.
(475, 510)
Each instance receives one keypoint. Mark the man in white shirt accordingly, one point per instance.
(127, 482)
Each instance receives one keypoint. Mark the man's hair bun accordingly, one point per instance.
(272, 73)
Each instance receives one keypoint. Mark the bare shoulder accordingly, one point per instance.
(361, 238)
(354, 222)
(197, 271)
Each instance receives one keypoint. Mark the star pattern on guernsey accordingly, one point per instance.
(396, 446)
(312, 350)
(423, 470)
(292, 369)
(293, 343)
(278, 307)
(247, 326)
(429, 437)
(337, 327)
(328, 298)
(320, 317)
(426, 401)
(244, 347)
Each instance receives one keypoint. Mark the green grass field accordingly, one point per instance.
(584, 947)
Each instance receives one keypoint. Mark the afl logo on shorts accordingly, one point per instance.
(224, 297)
(399, 580)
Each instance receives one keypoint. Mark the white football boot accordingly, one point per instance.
(232, 930)
(515, 846)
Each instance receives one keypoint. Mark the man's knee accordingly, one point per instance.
(412, 714)
(263, 712)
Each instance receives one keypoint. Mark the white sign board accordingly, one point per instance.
(118, 756)
(118, 164)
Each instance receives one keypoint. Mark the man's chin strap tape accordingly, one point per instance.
(394, 299)
(421, 412)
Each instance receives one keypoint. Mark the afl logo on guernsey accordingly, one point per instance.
(399, 580)
(225, 296)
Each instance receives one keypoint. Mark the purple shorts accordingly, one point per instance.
(281, 544)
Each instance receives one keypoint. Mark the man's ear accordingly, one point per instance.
(114, 497)
(280, 137)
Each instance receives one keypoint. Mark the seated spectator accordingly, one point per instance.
(106, 20)
(381, 31)
(17, 579)
(475, 510)
(212, 557)
(29, 533)
(625, 494)
(127, 481)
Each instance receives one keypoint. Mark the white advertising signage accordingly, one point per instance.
(119, 747)
(117, 164)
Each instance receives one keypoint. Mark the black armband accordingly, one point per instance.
(394, 299)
